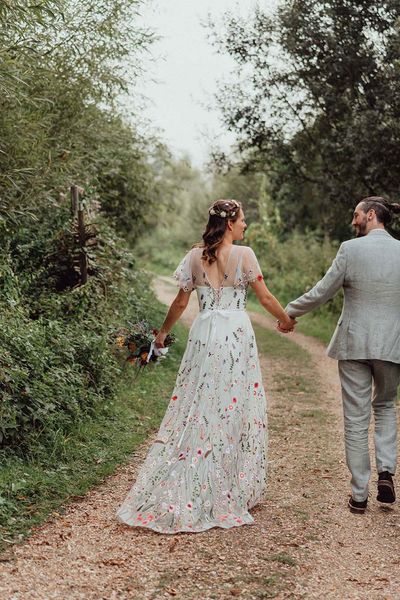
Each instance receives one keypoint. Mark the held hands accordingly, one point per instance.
(286, 326)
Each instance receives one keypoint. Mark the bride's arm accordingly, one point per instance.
(175, 311)
(271, 304)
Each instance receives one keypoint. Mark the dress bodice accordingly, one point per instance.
(240, 270)
(224, 298)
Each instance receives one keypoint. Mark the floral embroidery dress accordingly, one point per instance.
(207, 466)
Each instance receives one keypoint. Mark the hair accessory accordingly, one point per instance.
(224, 209)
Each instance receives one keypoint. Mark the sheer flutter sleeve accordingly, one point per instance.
(184, 274)
(250, 267)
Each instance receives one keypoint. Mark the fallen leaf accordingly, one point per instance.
(172, 591)
(114, 561)
(7, 557)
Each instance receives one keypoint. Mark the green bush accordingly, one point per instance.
(293, 265)
(56, 361)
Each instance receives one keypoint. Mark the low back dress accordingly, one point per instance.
(207, 466)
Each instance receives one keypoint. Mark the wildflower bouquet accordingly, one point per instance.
(137, 344)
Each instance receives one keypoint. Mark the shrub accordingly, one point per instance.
(56, 363)
(293, 265)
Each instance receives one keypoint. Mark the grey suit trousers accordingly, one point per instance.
(356, 377)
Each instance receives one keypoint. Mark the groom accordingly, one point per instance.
(366, 343)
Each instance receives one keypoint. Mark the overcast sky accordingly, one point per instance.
(182, 77)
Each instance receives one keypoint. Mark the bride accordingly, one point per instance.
(207, 466)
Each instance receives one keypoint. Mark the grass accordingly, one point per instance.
(164, 261)
(31, 489)
(159, 269)
(316, 414)
(301, 514)
(320, 325)
(283, 558)
(299, 377)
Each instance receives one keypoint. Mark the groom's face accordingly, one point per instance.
(360, 221)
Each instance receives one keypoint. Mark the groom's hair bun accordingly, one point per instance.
(384, 210)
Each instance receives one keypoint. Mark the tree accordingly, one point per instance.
(319, 110)
(63, 69)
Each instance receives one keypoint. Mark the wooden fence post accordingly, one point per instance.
(74, 200)
(82, 243)
(77, 209)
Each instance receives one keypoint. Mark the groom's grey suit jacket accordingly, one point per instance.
(368, 269)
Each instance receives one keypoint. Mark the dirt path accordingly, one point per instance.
(304, 544)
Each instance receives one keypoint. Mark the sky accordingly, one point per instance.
(182, 73)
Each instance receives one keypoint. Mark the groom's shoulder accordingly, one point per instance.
(352, 247)
(353, 243)
(368, 243)
(347, 246)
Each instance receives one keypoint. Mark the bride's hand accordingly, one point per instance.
(286, 326)
(159, 340)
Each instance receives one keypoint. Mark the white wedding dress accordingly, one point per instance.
(207, 466)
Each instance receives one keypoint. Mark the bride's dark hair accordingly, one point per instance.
(220, 213)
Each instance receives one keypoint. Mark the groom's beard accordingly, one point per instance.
(361, 229)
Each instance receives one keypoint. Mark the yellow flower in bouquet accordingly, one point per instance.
(120, 341)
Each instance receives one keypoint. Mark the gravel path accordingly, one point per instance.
(304, 544)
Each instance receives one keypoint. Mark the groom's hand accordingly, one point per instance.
(287, 326)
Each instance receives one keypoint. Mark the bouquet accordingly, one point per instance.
(137, 344)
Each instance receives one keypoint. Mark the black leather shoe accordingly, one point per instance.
(357, 507)
(386, 491)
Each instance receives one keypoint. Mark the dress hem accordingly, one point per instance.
(212, 525)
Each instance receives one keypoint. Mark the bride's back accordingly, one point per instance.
(235, 266)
